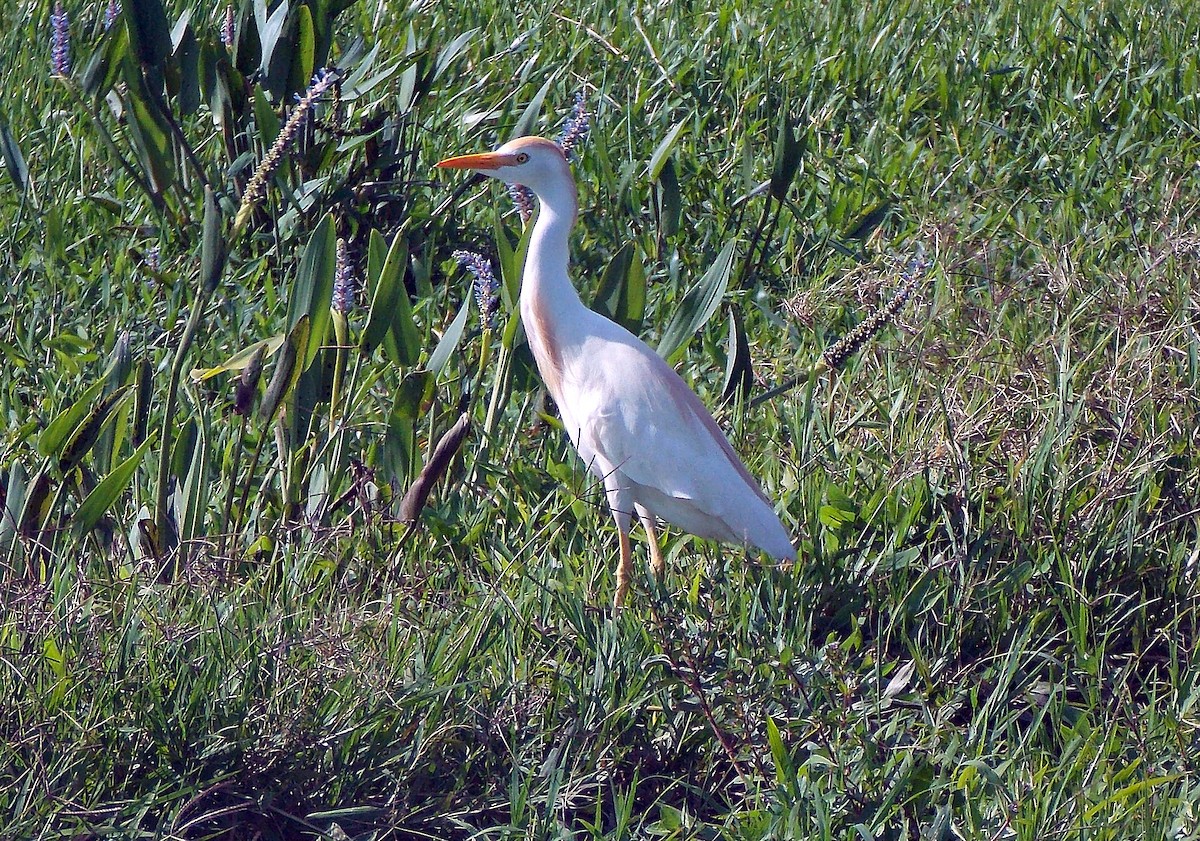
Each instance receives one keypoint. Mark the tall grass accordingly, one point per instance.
(216, 622)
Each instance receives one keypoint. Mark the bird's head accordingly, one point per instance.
(529, 161)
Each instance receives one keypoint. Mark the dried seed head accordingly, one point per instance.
(868, 328)
(256, 188)
(343, 280)
(247, 384)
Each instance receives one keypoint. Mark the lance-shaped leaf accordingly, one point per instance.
(659, 159)
(141, 403)
(274, 61)
(670, 200)
(622, 292)
(81, 441)
(240, 359)
(788, 153)
(182, 72)
(383, 276)
(303, 51)
(400, 447)
(450, 340)
(149, 31)
(14, 161)
(739, 374)
(528, 119)
(103, 67)
(151, 134)
(698, 305)
(50, 442)
(212, 246)
(312, 291)
(106, 493)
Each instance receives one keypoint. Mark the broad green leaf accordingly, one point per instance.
(151, 134)
(212, 246)
(103, 496)
(120, 366)
(14, 161)
(270, 33)
(670, 201)
(783, 762)
(141, 402)
(365, 86)
(193, 491)
(54, 436)
(103, 67)
(528, 119)
(739, 373)
(149, 31)
(869, 221)
(385, 276)
(788, 153)
(408, 94)
(450, 339)
(622, 292)
(80, 442)
(265, 118)
(451, 51)
(405, 335)
(14, 501)
(303, 51)
(324, 15)
(182, 71)
(838, 499)
(510, 268)
(184, 449)
(400, 445)
(659, 158)
(698, 305)
(312, 291)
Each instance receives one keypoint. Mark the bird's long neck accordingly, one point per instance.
(549, 303)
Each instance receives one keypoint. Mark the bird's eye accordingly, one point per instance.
(522, 157)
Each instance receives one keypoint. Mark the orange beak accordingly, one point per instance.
(483, 160)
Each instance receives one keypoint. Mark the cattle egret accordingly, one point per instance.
(635, 423)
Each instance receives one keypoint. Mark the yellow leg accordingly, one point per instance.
(657, 564)
(624, 570)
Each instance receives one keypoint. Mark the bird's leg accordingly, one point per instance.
(657, 565)
(624, 570)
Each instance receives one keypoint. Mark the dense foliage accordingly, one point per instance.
(294, 547)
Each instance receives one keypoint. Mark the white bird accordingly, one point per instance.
(636, 424)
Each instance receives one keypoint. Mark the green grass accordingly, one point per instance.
(991, 632)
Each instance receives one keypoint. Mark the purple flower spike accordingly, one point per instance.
(111, 12)
(60, 42)
(227, 26)
(523, 198)
(485, 284)
(575, 129)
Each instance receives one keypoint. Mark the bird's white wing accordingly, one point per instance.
(633, 414)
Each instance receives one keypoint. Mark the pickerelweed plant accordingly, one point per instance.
(247, 146)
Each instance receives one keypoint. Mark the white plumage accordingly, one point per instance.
(635, 423)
